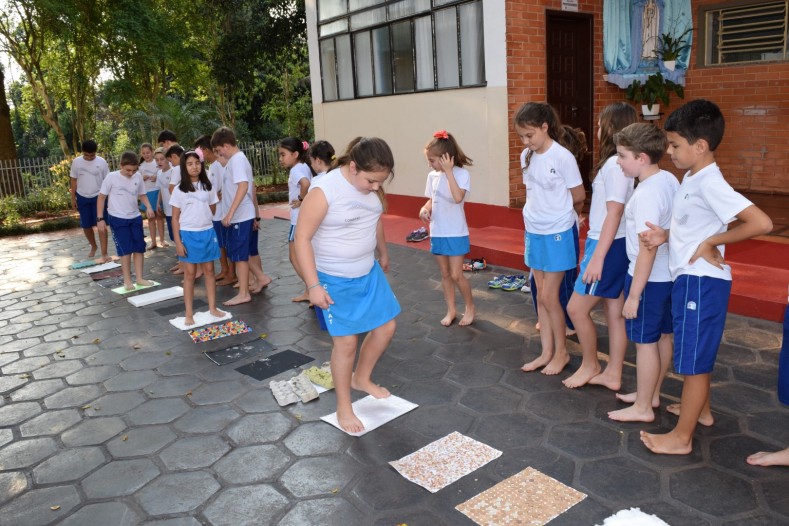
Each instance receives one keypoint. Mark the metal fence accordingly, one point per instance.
(24, 178)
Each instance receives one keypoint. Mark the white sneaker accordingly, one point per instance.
(525, 288)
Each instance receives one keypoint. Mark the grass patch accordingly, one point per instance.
(52, 225)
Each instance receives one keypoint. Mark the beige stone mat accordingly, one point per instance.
(528, 498)
(444, 461)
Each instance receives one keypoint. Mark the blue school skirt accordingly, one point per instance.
(201, 246)
(360, 304)
(552, 252)
(450, 246)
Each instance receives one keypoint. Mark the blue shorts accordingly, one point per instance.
(169, 221)
(698, 311)
(201, 247)
(292, 233)
(612, 282)
(219, 229)
(449, 246)
(360, 304)
(253, 242)
(153, 198)
(654, 312)
(552, 252)
(86, 206)
(239, 237)
(128, 235)
(565, 293)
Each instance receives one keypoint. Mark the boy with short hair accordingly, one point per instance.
(647, 308)
(166, 139)
(87, 174)
(125, 188)
(173, 155)
(241, 215)
(227, 273)
(704, 205)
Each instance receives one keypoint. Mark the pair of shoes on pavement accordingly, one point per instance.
(420, 234)
(508, 283)
(475, 264)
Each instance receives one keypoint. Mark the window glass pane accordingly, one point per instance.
(328, 70)
(403, 53)
(423, 40)
(368, 18)
(472, 54)
(438, 3)
(330, 8)
(338, 26)
(355, 5)
(344, 66)
(446, 48)
(382, 60)
(408, 8)
(364, 64)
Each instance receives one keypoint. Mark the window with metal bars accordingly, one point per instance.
(746, 32)
(376, 47)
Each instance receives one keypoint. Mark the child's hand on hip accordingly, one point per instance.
(710, 253)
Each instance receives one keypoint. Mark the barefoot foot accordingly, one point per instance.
(666, 444)
(216, 313)
(369, 387)
(227, 281)
(582, 376)
(468, 317)
(606, 379)
(238, 300)
(189, 320)
(104, 259)
(144, 282)
(447, 320)
(632, 414)
(706, 419)
(92, 251)
(535, 364)
(129, 286)
(766, 458)
(175, 267)
(349, 421)
(557, 364)
(630, 398)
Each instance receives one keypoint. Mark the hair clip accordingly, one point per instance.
(306, 145)
(197, 151)
(441, 134)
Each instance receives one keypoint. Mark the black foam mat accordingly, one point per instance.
(178, 307)
(274, 364)
(239, 352)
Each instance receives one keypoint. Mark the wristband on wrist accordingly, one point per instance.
(301, 198)
(313, 286)
(99, 220)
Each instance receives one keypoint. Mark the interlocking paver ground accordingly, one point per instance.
(110, 416)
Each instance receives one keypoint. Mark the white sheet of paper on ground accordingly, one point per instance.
(201, 319)
(374, 412)
(100, 268)
(156, 296)
(633, 517)
(319, 388)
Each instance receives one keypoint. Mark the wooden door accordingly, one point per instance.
(569, 47)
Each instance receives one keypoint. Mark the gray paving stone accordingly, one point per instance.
(140, 441)
(75, 352)
(68, 465)
(316, 438)
(511, 430)
(336, 473)
(183, 365)
(177, 493)
(9, 384)
(25, 365)
(207, 419)
(34, 508)
(252, 464)
(115, 404)
(385, 489)
(37, 331)
(194, 452)
(72, 397)
(50, 423)
(327, 511)
(159, 411)
(15, 413)
(92, 375)
(256, 429)
(12, 483)
(35, 390)
(8, 357)
(20, 345)
(45, 349)
(103, 514)
(585, 440)
(181, 521)
(145, 361)
(701, 487)
(218, 393)
(57, 369)
(119, 478)
(257, 401)
(6, 436)
(246, 506)
(109, 357)
(93, 431)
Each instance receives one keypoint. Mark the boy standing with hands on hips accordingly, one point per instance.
(703, 207)
(87, 173)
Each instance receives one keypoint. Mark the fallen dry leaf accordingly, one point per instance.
(125, 438)
(136, 346)
(54, 508)
(189, 393)
(264, 335)
(335, 490)
(96, 341)
(86, 406)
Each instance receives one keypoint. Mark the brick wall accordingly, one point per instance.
(754, 155)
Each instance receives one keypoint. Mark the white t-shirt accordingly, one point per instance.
(704, 206)
(297, 173)
(447, 218)
(345, 241)
(651, 201)
(237, 171)
(149, 170)
(549, 203)
(175, 177)
(163, 182)
(215, 173)
(122, 194)
(611, 184)
(89, 175)
(195, 207)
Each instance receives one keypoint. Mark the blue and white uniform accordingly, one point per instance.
(123, 213)
(89, 175)
(241, 238)
(195, 222)
(448, 227)
(149, 170)
(215, 174)
(298, 172)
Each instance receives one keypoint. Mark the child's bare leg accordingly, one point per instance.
(126, 269)
(262, 280)
(546, 334)
(447, 289)
(648, 372)
(242, 270)
(617, 344)
(665, 351)
(766, 458)
(105, 257)
(138, 265)
(551, 283)
(210, 289)
(580, 308)
(223, 270)
(91, 237)
(152, 232)
(706, 419)
(373, 346)
(342, 356)
(462, 284)
(679, 441)
(160, 227)
(189, 292)
(230, 277)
